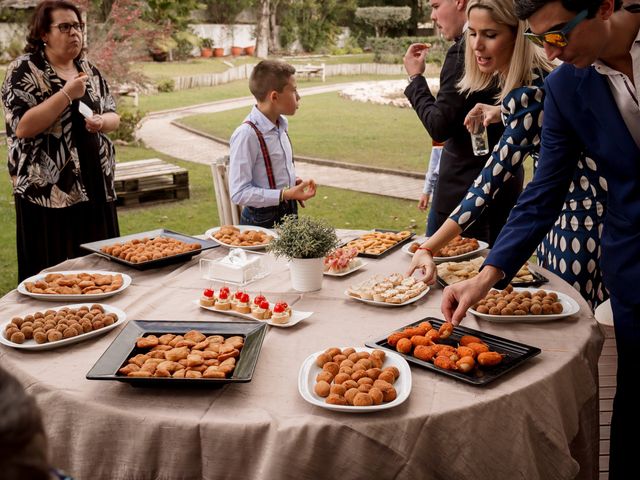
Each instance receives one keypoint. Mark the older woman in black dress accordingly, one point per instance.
(60, 160)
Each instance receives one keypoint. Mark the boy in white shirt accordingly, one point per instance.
(261, 171)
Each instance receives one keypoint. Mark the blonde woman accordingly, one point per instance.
(497, 46)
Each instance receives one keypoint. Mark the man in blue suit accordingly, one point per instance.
(592, 105)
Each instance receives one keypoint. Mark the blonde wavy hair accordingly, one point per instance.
(526, 58)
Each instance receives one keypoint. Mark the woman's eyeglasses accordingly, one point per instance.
(66, 27)
(557, 38)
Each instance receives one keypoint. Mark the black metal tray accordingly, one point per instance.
(161, 262)
(388, 250)
(124, 347)
(538, 280)
(516, 353)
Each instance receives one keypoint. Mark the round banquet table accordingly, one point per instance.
(540, 421)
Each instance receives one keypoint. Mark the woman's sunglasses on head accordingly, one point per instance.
(557, 38)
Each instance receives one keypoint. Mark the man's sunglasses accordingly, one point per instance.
(557, 38)
(66, 27)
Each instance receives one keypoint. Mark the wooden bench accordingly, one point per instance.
(151, 180)
(308, 70)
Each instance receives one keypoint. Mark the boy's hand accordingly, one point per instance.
(301, 192)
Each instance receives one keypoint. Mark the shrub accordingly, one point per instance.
(391, 50)
(166, 85)
(129, 119)
(383, 18)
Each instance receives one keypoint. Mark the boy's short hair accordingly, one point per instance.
(269, 75)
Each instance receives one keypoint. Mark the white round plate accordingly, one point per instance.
(309, 370)
(358, 266)
(32, 345)
(296, 316)
(209, 234)
(385, 304)
(126, 281)
(481, 246)
(569, 307)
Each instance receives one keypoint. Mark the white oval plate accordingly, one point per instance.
(209, 234)
(358, 266)
(32, 345)
(569, 307)
(481, 246)
(385, 304)
(50, 297)
(309, 370)
(296, 316)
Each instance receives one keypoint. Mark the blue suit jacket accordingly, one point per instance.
(580, 114)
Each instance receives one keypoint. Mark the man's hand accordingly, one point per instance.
(457, 298)
(423, 203)
(414, 59)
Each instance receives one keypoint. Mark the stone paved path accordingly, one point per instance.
(158, 133)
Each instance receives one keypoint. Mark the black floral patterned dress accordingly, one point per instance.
(572, 248)
(63, 178)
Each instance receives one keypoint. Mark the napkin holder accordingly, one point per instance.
(238, 267)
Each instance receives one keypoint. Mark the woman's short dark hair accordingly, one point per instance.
(41, 22)
(22, 438)
(526, 8)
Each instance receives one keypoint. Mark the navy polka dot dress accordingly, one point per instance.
(572, 248)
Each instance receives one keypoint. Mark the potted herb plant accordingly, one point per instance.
(304, 241)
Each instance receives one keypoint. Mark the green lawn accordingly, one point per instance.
(240, 88)
(328, 126)
(342, 208)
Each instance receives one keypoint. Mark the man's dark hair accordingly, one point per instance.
(269, 75)
(526, 8)
(41, 22)
(22, 439)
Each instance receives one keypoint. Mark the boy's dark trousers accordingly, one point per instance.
(266, 217)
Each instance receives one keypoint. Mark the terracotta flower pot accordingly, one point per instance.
(218, 52)
(236, 51)
(249, 50)
(206, 52)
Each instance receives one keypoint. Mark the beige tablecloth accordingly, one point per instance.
(538, 422)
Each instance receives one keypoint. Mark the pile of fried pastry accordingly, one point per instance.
(458, 246)
(191, 355)
(375, 243)
(394, 289)
(75, 284)
(355, 378)
(231, 235)
(54, 325)
(423, 342)
(512, 302)
(145, 249)
(454, 272)
(240, 301)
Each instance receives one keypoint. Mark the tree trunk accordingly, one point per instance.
(262, 29)
(274, 44)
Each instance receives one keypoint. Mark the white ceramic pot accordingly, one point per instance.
(306, 274)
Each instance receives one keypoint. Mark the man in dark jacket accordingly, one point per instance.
(443, 118)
